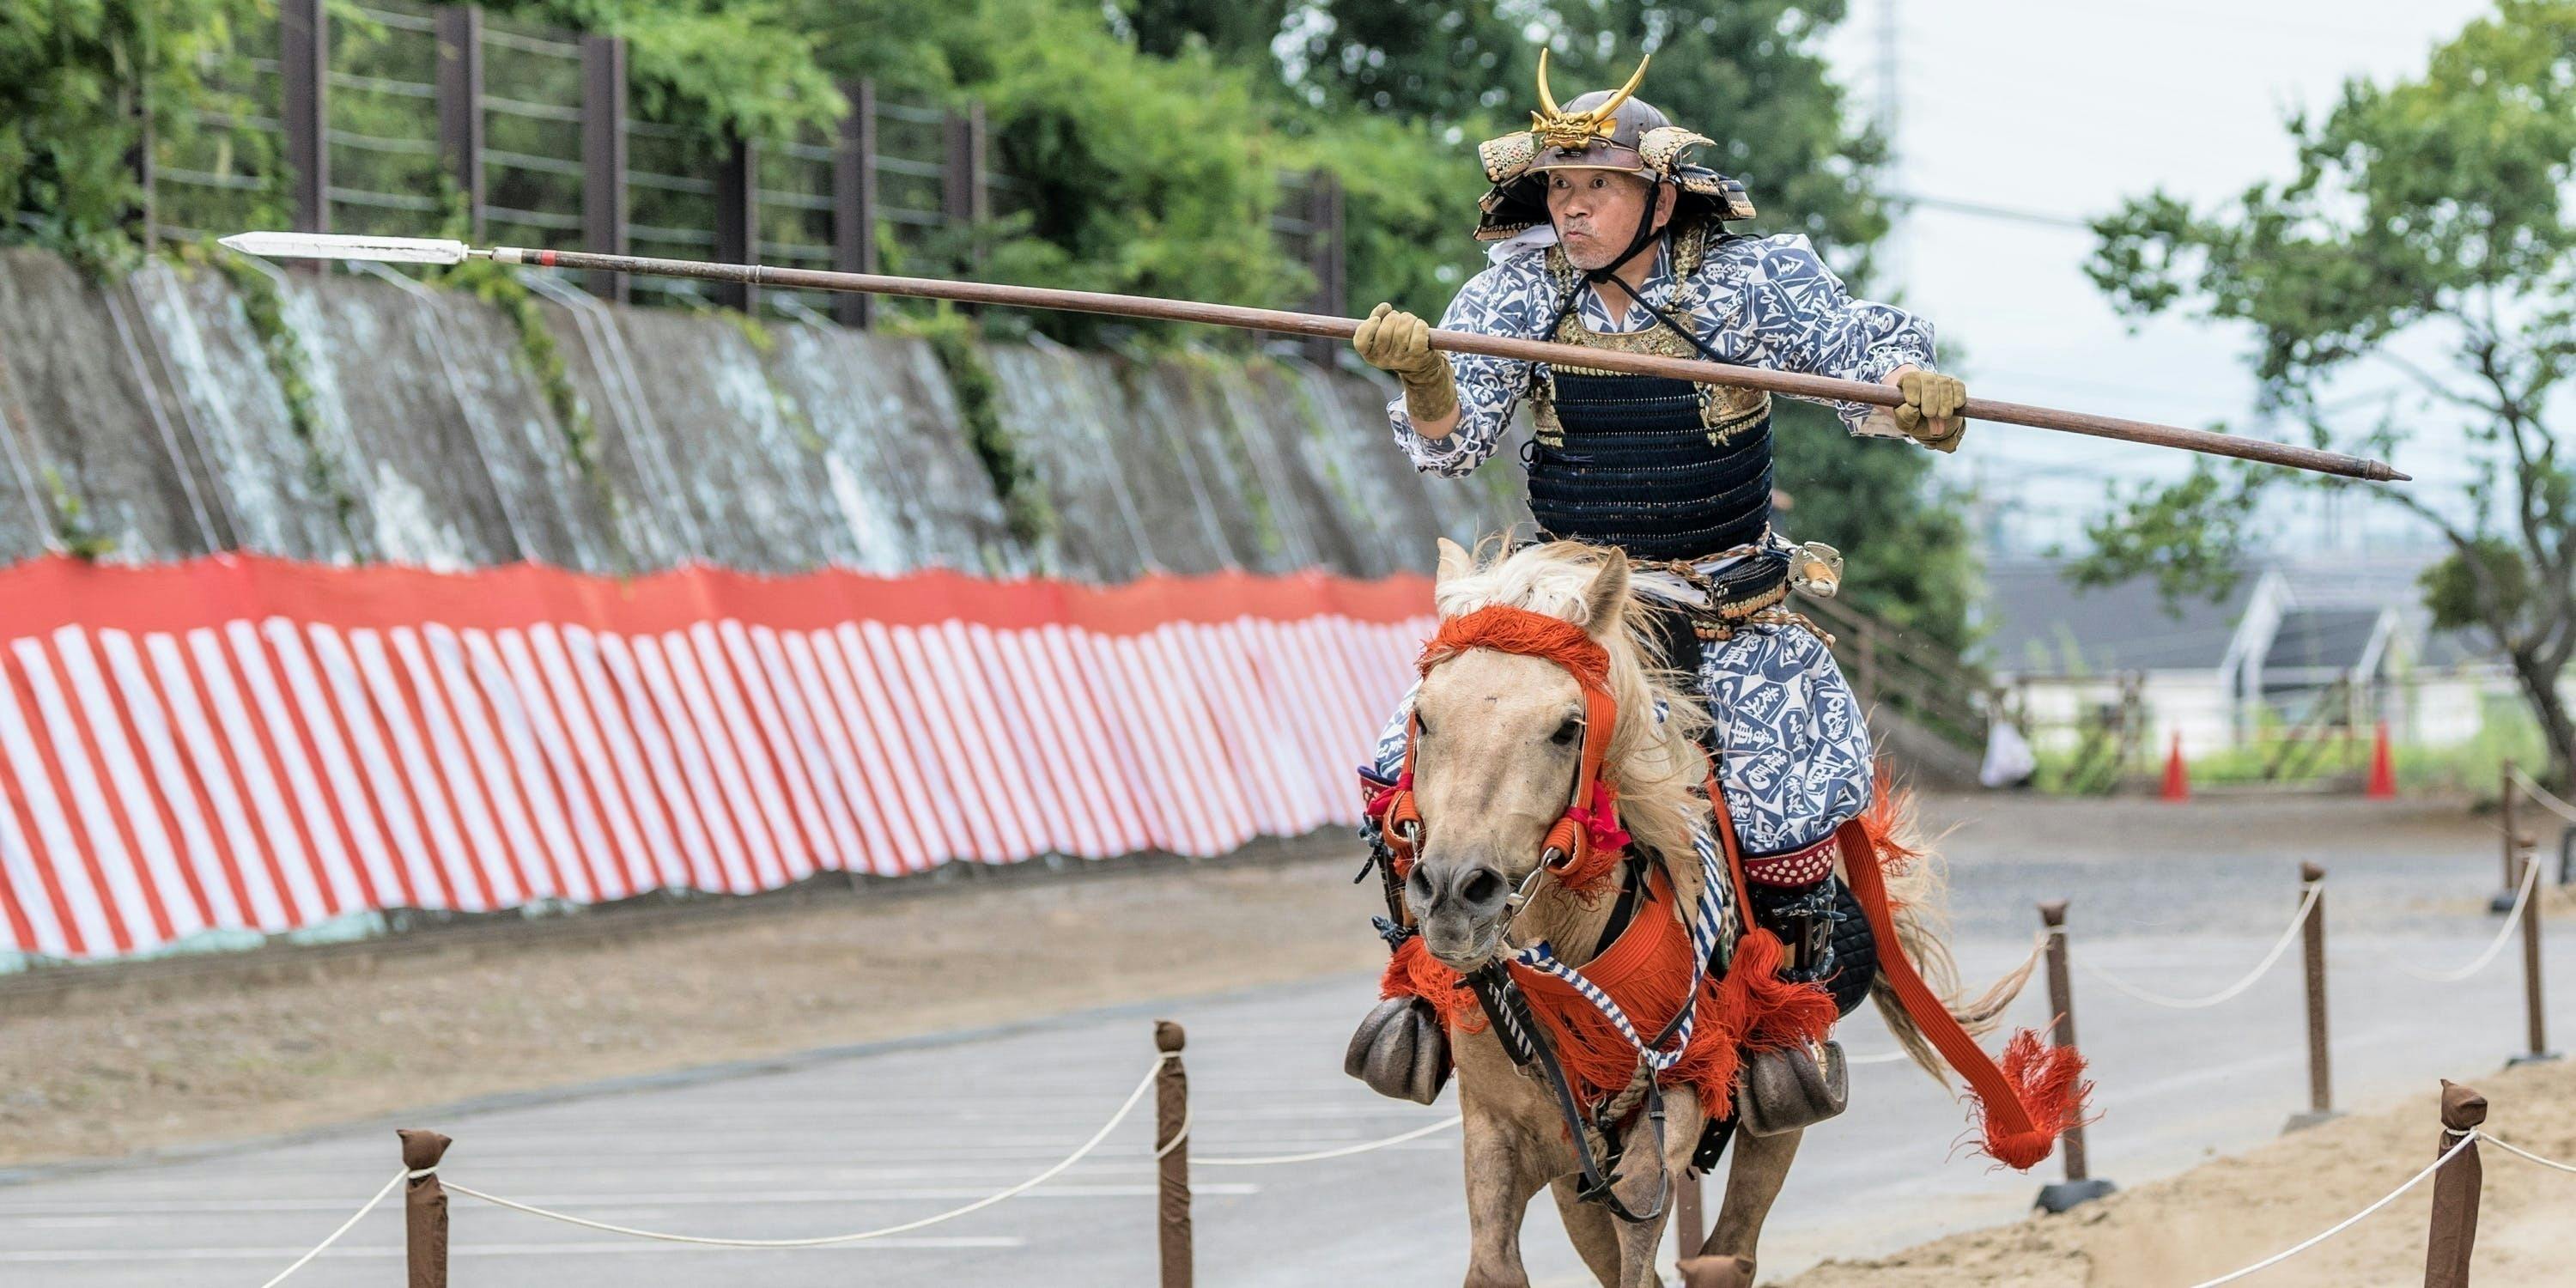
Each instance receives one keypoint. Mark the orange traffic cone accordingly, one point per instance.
(2383, 770)
(2177, 779)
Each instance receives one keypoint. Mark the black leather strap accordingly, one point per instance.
(1522, 1039)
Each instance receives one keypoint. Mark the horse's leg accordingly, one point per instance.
(1761, 1166)
(1639, 1240)
(1502, 1175)
(1594, 1231)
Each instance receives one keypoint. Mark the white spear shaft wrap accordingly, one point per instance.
(422, 250)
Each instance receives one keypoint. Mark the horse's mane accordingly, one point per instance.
(1657, 764)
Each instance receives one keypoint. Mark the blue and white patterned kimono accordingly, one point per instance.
(1794, 749)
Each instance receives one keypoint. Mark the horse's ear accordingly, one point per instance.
(1607, 597)
(1455, 562)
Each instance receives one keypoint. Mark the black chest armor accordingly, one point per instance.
(1663, 468)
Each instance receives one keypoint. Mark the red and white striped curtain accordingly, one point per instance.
(249, 743)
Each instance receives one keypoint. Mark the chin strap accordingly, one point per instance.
(1646, 232)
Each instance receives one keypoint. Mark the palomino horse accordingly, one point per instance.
(1500, 733)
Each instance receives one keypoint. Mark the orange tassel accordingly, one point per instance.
(1414, 972)
(2049, 1084)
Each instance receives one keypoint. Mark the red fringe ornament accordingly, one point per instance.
(2024, 1102)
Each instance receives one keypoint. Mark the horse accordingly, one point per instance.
(1498, 732)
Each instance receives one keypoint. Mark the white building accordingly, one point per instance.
(2314, 646)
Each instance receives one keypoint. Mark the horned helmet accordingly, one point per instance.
(1603, 130)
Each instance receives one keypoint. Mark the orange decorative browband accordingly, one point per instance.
(1586, 841)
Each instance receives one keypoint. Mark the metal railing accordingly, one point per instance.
(395, 116)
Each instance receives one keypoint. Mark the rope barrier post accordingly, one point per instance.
(2535, 1015)
(424, 1209)
(1689, 1212)
(2320, 1052)
(2080, 1186)
(2502, 901)
(1171, 1120)
(2455, 1191)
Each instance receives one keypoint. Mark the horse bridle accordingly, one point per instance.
(1587, 825)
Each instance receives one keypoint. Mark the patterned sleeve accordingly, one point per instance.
(1507, 299)
(1809, 323)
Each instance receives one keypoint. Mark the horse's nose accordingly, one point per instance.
(1470, 890)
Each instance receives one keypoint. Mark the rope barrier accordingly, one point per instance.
(2548, 800)
(1344, 1151)
(2289, 935)
(334, 1237)
(2511, 1148)
(2504, 934)
(1125, 1107)
(1179, 1138)
(2348, 1222)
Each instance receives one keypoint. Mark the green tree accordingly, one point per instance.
(2427, 228)
(84, 83)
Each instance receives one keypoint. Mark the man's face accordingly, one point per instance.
(1595, 213)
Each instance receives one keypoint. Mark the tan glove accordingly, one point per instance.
(1399, 343)
(1930, 412)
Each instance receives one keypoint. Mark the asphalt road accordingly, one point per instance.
(838, 1141)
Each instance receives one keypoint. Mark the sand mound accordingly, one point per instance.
(2233, 1212)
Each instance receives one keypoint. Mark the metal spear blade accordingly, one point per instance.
(383, 250)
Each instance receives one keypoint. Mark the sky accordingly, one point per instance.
(2060, 110)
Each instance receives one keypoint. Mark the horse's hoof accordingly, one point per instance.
(1716, 1272)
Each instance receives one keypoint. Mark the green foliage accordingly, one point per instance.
(80, 80)
(2185, 535)
(2486, 581)
(2426, 214)
(498, 286)
(74, 531)
(953, 340)
(753, 67)
(1150, 176)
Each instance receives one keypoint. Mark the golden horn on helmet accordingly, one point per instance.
(1546, 101)
(1605, 111)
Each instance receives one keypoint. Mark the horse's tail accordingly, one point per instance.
(1918, 907)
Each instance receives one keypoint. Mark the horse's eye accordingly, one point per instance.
(1567, 733)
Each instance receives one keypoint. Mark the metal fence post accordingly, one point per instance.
(2080, 1185)
(304, 64)
(2455, 1191)
(2320, 1054)
(460, 106)
(965, 196)
(424, 1209)
(1171, 1123)
(854, 202)
(1324, 258)
(140, 162)
(738, 220)
(603, 156)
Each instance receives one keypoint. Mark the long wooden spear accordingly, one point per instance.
(423, 250)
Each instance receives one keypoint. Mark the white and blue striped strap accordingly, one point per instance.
(1705, 927)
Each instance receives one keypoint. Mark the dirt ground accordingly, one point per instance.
(2236, 1211)
(105, 1073)
(102, 1072)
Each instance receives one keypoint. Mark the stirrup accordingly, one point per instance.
(1401, 1051)
(1791, 1088)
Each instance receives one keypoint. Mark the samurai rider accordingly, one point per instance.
(1607, 236)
